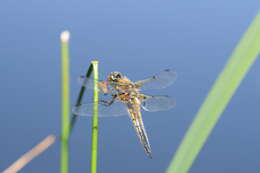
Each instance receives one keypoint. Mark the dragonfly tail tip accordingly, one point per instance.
(150, 155)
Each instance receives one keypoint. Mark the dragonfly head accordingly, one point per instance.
(114, 77)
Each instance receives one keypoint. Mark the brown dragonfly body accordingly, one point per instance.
(128, 93)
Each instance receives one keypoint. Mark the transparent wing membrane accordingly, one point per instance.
(104, 110)
(158, 103)
(89, 83)
(149, 103)
(161, 80)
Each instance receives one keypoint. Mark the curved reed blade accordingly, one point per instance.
(80, 97)
(218, 98)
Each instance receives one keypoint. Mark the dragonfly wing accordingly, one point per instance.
(89, 83)
(158, 103)
(135, 115)
(104, 110)
(161, 80)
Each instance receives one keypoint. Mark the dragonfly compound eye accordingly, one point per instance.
(115, 75)
(118, 76)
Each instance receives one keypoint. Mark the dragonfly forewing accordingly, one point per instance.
(161, 80)
(103, 86)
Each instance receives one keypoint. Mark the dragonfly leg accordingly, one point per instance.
(109, 102)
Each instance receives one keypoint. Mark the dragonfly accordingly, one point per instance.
(126, 99)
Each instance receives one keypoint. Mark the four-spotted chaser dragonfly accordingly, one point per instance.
(127, 100)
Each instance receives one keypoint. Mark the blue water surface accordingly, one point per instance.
(137, 38)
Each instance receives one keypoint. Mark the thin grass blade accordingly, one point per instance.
(80, 97)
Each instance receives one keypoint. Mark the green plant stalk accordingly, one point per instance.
(65, 99)
(222, 91)
(94, 150)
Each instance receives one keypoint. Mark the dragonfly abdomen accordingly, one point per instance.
(135, 115)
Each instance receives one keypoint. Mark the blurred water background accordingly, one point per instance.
(137, 38)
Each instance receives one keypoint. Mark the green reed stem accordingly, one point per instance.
(219, 96)
(65, 99)
(94, 150)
